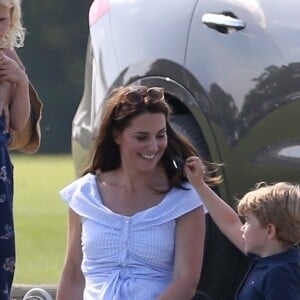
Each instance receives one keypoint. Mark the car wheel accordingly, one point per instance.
(219, 279)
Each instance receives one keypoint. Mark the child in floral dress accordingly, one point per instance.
(15, 114)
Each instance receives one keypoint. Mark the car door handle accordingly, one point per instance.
(223, 21)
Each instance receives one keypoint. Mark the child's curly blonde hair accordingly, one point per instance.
(16, 33)
(278, 204)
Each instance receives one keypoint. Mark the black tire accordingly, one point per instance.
(201, 296)
(223, 265)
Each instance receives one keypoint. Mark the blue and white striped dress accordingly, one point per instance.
(127, 258)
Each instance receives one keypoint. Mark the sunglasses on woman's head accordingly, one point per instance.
(136, 96)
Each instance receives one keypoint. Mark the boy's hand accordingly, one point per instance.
(195, 170)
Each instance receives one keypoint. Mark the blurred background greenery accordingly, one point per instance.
(54, 56)
(40, 216)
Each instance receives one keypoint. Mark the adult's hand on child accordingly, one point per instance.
(11, 53)
(11, 71)
(11, 76)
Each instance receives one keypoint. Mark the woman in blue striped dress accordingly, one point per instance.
(136, 226)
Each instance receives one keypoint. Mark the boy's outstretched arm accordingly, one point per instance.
(222, 214)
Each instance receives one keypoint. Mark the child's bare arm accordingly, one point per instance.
(223, 215)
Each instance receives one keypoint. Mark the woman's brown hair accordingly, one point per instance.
(121, 107)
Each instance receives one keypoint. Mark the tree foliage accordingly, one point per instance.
(54, 56)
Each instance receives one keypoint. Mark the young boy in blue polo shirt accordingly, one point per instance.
(269, 235)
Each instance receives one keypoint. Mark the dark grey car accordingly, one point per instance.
(231, 71)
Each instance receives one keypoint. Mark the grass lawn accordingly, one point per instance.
(40, 216)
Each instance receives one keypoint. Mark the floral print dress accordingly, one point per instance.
(7, 237)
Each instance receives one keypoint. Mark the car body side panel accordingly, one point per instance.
(117, 41)
(242, 87)
(122, 52)
(150, 30)
(243, 74)
(100, 71)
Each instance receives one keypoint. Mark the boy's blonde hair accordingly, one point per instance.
(278, 204)
(16, 34)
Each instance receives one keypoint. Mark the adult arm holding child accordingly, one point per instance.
(15, 82)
